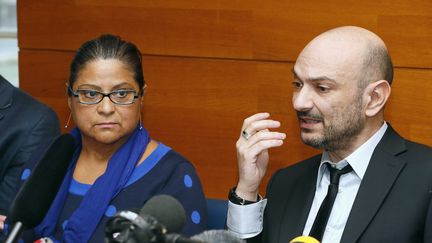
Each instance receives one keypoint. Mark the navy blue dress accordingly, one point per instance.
(163, 172)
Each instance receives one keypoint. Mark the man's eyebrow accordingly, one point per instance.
(321, 78)
(314, 79)
(294, 72)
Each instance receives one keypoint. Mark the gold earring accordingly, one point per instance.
(68, 120)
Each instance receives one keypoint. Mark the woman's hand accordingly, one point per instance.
(252, 152)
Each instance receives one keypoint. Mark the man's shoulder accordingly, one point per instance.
(23, 100)
(417, 154)
(300, 168)
(27, 112)
(418, 147)
(400, 146)
(307, 163)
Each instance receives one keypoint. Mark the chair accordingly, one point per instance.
(217, 212)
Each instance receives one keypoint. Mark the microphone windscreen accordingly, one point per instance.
(167, 210)
(38, 192)
(217, 236)
(304, 239)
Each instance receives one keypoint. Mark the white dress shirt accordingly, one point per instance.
(348, 186)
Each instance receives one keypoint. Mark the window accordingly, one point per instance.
(8, 41)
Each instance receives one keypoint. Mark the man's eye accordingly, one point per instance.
(297, 85)
(323, 88)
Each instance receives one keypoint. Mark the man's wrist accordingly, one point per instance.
(236, 199)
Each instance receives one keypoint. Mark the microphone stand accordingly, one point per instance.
(14, 234)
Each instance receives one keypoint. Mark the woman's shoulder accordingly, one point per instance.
(175, 157)
(169, 157)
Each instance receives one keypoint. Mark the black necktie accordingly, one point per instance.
(322, 217)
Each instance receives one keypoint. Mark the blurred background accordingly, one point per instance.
(8, 41)
(210, 64)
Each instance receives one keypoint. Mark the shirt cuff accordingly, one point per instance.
(246, 221)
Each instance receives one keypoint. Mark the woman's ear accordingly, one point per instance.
(377, 94)
(68, 94)
(69, 102)
(144, 91)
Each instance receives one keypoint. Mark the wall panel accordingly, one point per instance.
(209, 64)
(197, 105)
(257, 30)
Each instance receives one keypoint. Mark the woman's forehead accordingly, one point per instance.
(106, 73)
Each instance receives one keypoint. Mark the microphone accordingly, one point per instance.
(167, 210)
(177, 238)
(209, 236)
(38, 192)
(218, 236)
(160, 215)
(160, 220)
(304, 239)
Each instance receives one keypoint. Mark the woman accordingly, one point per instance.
(117, 166)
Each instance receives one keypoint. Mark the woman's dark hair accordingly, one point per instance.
(108, 47)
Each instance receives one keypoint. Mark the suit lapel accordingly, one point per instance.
(383, 170)
(297, 209)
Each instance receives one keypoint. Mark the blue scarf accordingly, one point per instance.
(84, 220)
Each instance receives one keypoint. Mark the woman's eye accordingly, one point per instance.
(121, 93)
(90, 93)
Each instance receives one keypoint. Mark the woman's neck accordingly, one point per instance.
(98, 152)
(93, 160)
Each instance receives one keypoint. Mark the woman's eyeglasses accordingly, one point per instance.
(118, 97)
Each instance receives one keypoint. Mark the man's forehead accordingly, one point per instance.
(312, 69)
(324, 71)
(329, 60)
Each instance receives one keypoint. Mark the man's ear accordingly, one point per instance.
(377, 94)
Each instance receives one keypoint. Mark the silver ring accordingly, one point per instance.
(245, 134)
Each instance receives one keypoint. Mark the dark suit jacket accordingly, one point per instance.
(392, 204)
(24, 124)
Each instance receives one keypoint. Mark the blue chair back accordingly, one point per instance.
(217, 212)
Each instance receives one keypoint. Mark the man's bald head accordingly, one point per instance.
(355, 50)
(339, 89)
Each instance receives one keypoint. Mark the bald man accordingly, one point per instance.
(369, 184)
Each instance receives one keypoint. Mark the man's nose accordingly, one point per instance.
(303, 99)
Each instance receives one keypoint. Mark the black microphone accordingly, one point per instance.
(38, 192)
(167, 210)
(162, 214)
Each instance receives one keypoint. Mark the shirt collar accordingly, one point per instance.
(359, 159)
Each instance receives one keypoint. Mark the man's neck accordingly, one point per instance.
(360, 139)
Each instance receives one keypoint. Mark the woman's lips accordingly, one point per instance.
(106, 125)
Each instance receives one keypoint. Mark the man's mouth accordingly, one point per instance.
(309, 120)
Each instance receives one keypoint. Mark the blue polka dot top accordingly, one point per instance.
(163, 172)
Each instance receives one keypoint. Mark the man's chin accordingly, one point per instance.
(313, 140)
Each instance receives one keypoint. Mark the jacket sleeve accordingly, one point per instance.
(43, 131)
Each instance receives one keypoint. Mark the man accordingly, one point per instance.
(369, 185)
(25, 123)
